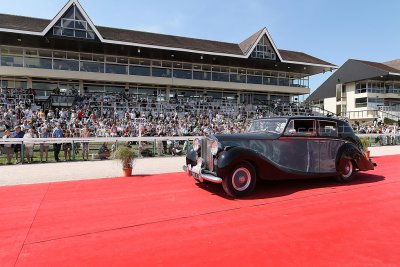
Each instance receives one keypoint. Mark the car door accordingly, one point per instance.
(329, 144)
(298, 148)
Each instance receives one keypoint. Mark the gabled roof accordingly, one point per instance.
(62, 12)
(380, 66)
(247, 44)
(393, 64)
(40, 27)
(352, 70)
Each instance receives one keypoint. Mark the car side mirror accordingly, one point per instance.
(292, 131)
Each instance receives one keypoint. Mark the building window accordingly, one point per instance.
(361, 102)
(237, 75)
(263, 50)
(375, 102)
(73, 24)
(12, 57)
(101, 63)
(220, 74)
(182, 70)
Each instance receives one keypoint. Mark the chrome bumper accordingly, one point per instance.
(201, 176)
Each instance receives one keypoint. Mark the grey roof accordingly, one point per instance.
(380, 66)
(246, 45)
(352, 70)
(172, 41)
(23, 23)
(393, 64)
(146, 38)
(301, 57)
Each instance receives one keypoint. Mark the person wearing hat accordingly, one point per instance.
(17, 147)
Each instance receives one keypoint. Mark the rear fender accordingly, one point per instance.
(352, 152)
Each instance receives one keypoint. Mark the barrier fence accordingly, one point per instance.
(72, 148)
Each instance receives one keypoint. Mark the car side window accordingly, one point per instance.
(327, 128)
(298, 127)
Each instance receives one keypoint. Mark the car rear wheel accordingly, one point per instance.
(346, 170)
(240, 181)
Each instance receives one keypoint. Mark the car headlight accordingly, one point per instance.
(215, 147)
(196, 144)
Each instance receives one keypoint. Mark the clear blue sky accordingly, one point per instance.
(331, 30)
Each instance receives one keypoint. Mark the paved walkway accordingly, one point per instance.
(384, 151)
(70, 171)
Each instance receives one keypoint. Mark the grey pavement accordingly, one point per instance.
(70, 171)
(384, 151)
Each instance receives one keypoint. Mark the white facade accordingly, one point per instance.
(366, 99)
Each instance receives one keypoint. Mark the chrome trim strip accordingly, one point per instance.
(211, 178)
(203, 176)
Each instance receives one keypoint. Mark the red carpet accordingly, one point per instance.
(168, 220)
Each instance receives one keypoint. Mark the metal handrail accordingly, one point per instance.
(95, 139)
(122, 139)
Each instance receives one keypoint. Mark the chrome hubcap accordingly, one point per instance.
(347, 169)
(241, 179)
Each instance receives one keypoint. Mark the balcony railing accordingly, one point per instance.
(66, 61)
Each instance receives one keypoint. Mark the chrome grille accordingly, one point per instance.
(208, 159)
(210, 162)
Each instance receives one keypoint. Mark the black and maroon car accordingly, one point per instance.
(276, 149)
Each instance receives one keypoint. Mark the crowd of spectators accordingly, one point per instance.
(185, 121)
(21, 118)
(388, 134)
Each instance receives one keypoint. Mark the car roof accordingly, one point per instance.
(303, 118)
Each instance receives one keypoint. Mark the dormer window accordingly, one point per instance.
(73, 24)
(263, 50)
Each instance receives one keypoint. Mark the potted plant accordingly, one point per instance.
(366, 143)
(126, 156)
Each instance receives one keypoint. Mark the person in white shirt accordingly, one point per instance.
(29, 145)
(7, 148)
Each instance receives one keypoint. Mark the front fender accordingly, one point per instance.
(191, 157)
(231, 157)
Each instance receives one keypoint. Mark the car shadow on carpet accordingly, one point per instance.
(273, 189)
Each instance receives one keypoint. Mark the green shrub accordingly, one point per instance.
(126, 155)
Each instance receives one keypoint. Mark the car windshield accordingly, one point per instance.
(276, 126)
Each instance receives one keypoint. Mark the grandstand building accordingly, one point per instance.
(361, 90)
(70, 54)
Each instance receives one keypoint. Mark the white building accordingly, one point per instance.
(361, 90)
(71, 53)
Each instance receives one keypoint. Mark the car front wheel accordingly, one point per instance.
(240, 181)
(346, 170)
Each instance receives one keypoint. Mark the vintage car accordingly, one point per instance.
(275, 149)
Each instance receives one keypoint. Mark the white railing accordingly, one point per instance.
(94, 140)
(153, 145)
(39, 141)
